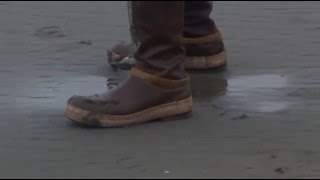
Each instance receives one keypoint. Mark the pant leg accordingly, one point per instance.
(197, 19)
(197, 23)
(158, 28)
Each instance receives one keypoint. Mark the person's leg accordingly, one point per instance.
(202, 39)
(157, 86)
(197, 19)
(158, 28)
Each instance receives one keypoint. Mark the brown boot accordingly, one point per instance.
(202, 40)
(120, 53)
(157, 86)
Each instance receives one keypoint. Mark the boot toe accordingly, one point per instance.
(80, 102)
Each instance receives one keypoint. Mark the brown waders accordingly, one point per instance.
(202, 40)
(157, 87)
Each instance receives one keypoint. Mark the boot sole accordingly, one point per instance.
(206, 62)
(196, 63)
(88, 118)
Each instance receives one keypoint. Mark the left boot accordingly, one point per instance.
(142, 97)
(157, 87)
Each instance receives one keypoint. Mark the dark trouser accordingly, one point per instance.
(197, 21)
(159, 26)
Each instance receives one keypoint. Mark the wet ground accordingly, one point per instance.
(257, 118)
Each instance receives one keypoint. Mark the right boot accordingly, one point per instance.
(119, 54)
(202, 40)
(157, 86)
(201, 37)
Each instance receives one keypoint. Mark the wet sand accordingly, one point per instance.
(259, 118)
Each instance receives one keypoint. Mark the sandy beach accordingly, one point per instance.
(259, 118)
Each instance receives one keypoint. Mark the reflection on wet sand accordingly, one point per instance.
(206, 86)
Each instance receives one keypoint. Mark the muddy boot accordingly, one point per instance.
(121, 55)
(202, 39)
(120, 52)
(157, 86)
(215, 57)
